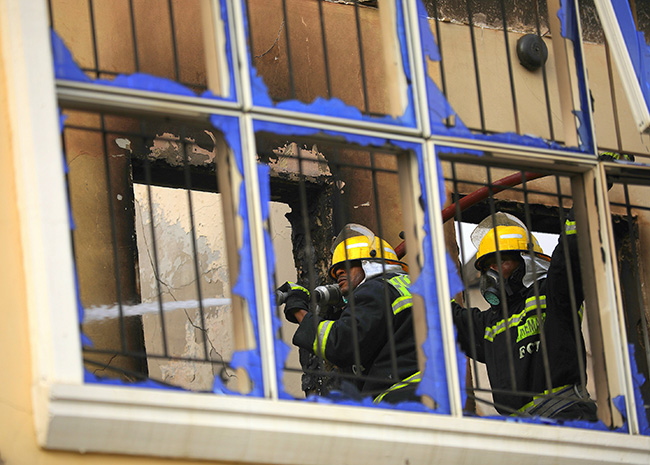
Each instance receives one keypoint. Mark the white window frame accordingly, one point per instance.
(639, 106)
(72, 415)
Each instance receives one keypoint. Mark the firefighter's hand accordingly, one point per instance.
(614, 156)
(297, 299)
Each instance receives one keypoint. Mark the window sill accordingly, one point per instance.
(138, 421)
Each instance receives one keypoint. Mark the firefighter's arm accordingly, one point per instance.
(565, 263)
(461, 317)
(334, 340)
(299, 315)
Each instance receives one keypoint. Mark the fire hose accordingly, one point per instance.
(476, 196)
(329, 294)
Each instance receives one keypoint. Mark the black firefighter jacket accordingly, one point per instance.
(372, 305)
(489, 343)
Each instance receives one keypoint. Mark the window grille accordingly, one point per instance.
(152, 248)
(492, 57)
(327, 185)
(541, 201)
(349, 51)
(179, 41)
(138, 147)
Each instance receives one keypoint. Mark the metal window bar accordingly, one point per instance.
(174, 51)
(504, 309)
(547, 97)
(134, 37)
(463, 255)
(318, 170)
(463, 178)
(197, 271)
(93, 31)
(113, 228)
(433, 9)
(538, 310)
(513, 93)
(154, 250)
(326, 61)
(326, 49)
(362, 61)
(572, 285)
(287, 43)
(153, 338)
(477, 75)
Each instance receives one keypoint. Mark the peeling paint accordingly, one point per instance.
(178, 283)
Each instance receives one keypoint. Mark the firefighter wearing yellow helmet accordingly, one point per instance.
(356, 242)
(377, 300)
(504, 238)
(529, 294)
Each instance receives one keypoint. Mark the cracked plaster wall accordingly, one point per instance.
(178, 282)
(177, 279)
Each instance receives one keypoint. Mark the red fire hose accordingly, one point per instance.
(477, 196)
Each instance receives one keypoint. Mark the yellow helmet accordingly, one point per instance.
(511, 235)
(356, 242)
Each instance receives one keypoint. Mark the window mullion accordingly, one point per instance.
(442, 282)
(256, 230)
(622, 350)
(418, 77)
(600, 303)
(240, 54)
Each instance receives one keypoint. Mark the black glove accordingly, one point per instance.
(614, 156)
(297, 299)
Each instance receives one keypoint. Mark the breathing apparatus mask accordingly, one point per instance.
(490, 286)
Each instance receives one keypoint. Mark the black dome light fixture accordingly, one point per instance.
(531, 51)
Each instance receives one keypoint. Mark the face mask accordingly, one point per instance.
(489, 286)
(490, 289)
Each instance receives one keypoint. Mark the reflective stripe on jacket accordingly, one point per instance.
(379, 303)
(511, 345)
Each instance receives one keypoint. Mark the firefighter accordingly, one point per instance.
(534, 291)
(373, 339)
